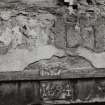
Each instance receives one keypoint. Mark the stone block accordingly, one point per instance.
(100, 34)
(73, 36)
(85, 90)
(60, 33)
(44, 3)
(87, 36)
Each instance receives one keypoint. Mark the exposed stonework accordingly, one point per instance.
(28, 40)
(42, 32)
(73, 36)
(100, 33)
(60, 33)
(44, 3)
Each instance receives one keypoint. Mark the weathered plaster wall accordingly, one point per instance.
(27, 30)
(61, 29)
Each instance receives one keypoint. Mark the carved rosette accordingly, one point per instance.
(59, 90)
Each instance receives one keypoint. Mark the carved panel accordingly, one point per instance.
(59, 90)
(100, 85)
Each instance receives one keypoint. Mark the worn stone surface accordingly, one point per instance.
(44, 3)
(73, 36)
(88, 37)
(28, 30)
(55, 92)
(28, 33)
(19, 93)
(27, 38)
(60, 33)
(30, 37)
(57, 66)
(70, 91)
(58, 90)
(100, 33)
(86, 90)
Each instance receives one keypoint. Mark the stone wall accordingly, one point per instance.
(50, 28)
(56, 27)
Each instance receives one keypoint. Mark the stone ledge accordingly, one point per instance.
(34, 75)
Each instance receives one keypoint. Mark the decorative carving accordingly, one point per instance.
(100, 86)
(56, 90)
(54, 71)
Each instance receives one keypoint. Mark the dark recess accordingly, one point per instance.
(89, 2)
(61, 3)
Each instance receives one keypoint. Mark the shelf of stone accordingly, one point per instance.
(65, 102)
(35, 75)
